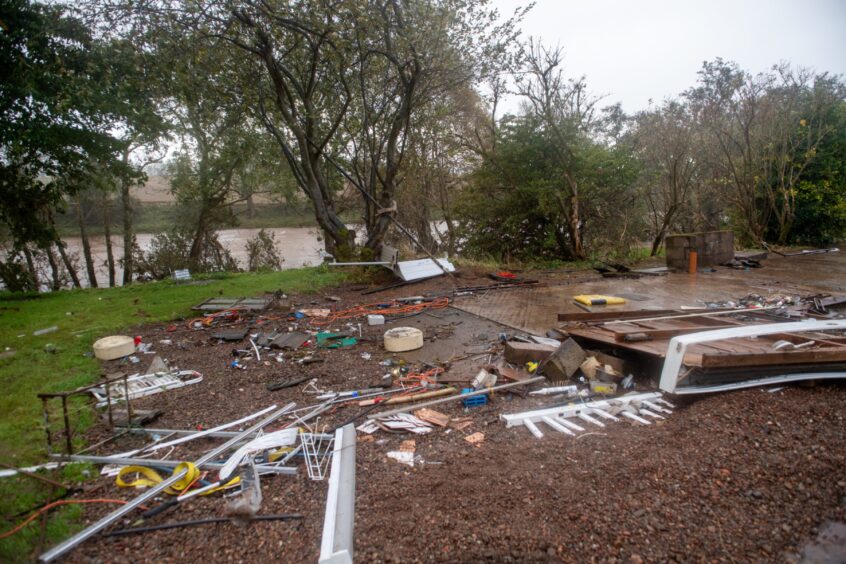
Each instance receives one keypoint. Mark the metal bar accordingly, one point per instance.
(784, 379)
(34, 476)
(101, 443)
(207, 432)
(678, 345)
(336, 545)
(181, 432)
(372, 263)
(128, 402)
(45, 407)
(80, 390)
(706, 314)
(128, 461)
(453, 398)
(68, 442)
(109, 399)
(116, 515)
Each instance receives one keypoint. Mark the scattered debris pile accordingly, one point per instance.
(596, 369)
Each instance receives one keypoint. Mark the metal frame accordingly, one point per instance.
(678, 347)
(45, 398)
(69, 544)
(336, 546)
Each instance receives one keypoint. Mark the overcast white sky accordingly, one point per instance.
(640, 49)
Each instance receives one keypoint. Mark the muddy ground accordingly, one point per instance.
(745, 476)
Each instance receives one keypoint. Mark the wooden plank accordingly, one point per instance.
(817, 356)
(804, 337)
(609, 315)
(664, 334)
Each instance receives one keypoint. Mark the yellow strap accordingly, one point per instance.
(150, 477)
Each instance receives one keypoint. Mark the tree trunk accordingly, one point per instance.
(68, 264)
(107, 232)
(30, 265)
(54, 267)
(128, 235)
(86, 245)
(251, 207)
(197, 241)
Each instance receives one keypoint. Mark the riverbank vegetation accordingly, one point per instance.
(382, 114)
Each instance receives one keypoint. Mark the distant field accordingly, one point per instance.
(159, 217)
(157, 191)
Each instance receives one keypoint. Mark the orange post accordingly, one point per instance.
(691, 262)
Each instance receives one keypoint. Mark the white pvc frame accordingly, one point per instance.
(678, 347)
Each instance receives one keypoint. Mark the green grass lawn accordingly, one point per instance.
(82, 317)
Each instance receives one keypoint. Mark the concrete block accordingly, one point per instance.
(520, 353)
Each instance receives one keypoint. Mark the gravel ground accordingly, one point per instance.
(744, 476)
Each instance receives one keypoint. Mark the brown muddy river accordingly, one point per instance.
(298, 246)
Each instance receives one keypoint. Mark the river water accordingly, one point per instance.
(298, 246)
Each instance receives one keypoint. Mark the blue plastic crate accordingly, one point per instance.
(474, 401)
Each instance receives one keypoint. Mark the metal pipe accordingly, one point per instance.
(126, 397)
(68, 442)
(45, 406)
(161, 463)
(116, 515)
(109, 400)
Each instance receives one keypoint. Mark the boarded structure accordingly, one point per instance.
(712, 248)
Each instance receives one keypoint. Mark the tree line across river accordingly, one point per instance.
(377, 113)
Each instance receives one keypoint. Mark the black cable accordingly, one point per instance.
(122, 532)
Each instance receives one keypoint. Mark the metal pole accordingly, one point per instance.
(114, 516)
(45, 405)
(67, 424)
(453, 398)
(109, 403)
(160, 463)
(128, 405)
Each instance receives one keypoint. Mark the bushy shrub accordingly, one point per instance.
(171, 251)
(262, 254)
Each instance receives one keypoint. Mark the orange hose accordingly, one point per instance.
(49, 506)
(374, 309)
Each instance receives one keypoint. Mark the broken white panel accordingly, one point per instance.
(275, 439)
(410, 270)
(678, 347)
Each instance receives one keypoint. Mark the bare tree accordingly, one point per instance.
(664, 140)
